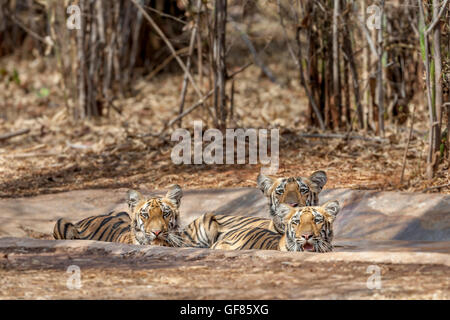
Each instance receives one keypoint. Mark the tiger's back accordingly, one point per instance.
(249, 238)
(227, 223)
(112, 227)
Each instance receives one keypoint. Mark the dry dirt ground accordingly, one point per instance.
(403, 236)
(38, 270)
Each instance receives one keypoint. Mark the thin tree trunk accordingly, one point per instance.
(336, 101)
(305, 85)
(81, 110)
(366, 68)
(431, 161)
(437, 65)
(353, 69)
(380, 87)
(220, 101)
(92, 110)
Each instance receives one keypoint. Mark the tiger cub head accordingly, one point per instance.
(309, 228)
(155, 220)
(293, 191)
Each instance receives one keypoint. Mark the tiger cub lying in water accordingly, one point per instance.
(151, 221)
(307, 229)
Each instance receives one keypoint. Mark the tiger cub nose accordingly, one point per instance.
(156, 232)
(306, 236)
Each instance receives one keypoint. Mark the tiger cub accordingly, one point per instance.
(307, 229)
(294, 191)
(151, 221)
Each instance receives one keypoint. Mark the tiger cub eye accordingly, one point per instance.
(318, 220)
(304, 190)
(144, 214)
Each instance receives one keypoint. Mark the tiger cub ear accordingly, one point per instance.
(319, 178)
(332, 208)
(264, 183)
(133, 197)
(174, 195)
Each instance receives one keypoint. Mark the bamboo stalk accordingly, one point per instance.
(432, 141)
(436, 29)
(380, 87)
(81, 111)
(336, 100)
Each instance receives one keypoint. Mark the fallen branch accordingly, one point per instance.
(78, 146)
(10, 135)
(436, 187)
(33, 155)
(341, 136)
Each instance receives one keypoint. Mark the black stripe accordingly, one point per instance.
(106, 230)
(105, 220)
(252, 233)
(58, 229)
(124, 230)
(114, 230)
(258, 237)
(188, 235)
(112, 236)
(245, 224)
(123, 213)
(65, 231)
(272, 239)
(84, 224)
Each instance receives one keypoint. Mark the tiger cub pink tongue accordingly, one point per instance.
(308, 247)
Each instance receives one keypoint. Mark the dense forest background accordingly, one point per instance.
(359, 88)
